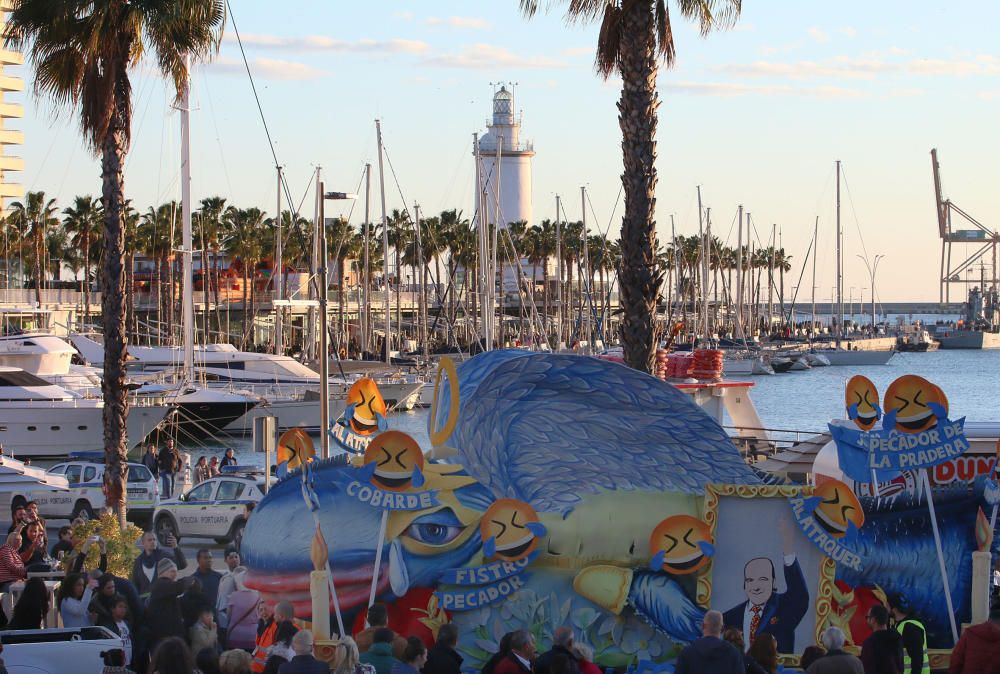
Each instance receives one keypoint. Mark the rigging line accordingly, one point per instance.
(218, 139)
(857, 223)
(144, 91)
(253, 87)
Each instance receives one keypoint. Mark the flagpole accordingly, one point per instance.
(940, 554)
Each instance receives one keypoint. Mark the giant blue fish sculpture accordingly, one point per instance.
(600, 452)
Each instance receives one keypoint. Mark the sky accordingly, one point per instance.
(755, 115)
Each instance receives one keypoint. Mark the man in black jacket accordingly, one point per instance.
(163, 616)
(562, 644)
(443, 658)
(882, 652)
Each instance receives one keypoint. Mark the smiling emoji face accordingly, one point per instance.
(910, 397)
(838, 508)
(395, 457)
(295, 447)
(862, 395)
(681, 544)
(368, 406)
(510, 529)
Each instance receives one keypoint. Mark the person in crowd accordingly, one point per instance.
(163, 615)
(207, 661)
(102, 603)
(710, 653)
(443, 658)
(114, 661)
(266, 629)
(978, 649)
(229, 459)
(64, 545)
(75, 592)
(836, 660)
(810, 655)
(11, 566)
(349, 659)
(303, 661)
(151, 461)
(208, 577)
(227, 585)
(414, 657)
(735, 637)
(203, 634)
(764, 651)
(235, 661)
(213, 467)
(502, 653)
(78, 561)
(172, 656)
(193, 602)
(32, 508)
(377, 618)
(145, 565)
(585, 659)
(521, 657)
(169, 462)
(33, 544)
(913, 636)
(117, 622)
(32, 607)
(200, 470)
(379, 655)
(882, 651)
(18, 518)
(280, 651)
(562, 664)
(241, 614)
(562, 644)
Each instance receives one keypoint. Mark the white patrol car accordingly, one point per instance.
(84, 473)
(211, 509)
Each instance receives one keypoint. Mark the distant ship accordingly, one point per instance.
(979, 327)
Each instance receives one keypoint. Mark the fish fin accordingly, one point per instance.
(707, 548)
(490, 546)
(418, 477)
(399, 576)
(852, 411)
(662, 602)
(656, 563)
(537, 528)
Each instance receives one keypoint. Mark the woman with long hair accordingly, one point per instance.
(172, 656)
(201, 470)
(32, 606)
(764, 651)
(349, 660)
(74, 600)
(414, 657)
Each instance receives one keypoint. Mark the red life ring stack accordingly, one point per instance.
(662, 364)
(679, 365)
(708, 364)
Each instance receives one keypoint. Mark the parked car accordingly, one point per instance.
(211, 509)
(84, 474)
(57, 651)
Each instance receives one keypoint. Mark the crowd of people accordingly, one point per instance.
(167, 463)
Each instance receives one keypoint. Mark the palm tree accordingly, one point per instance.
(130, 231)
(83, 221)
(33, 217)
(546, 248)
(243, 240)
(633, 34)
(400, 231)
(159, 235)
(82, 52)
(211, 229)
(340, 237)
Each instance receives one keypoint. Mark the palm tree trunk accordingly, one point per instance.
(545, 294)
(217, 290)
(39, 264)
(244, 330)
(86, 273)
(113, 315)
(341, 338)
(639, 275)
(130, 292)
(206, 283)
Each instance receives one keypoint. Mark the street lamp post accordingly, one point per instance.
(872, 270)
(324, 356)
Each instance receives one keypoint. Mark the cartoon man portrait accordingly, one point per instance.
(766, 610)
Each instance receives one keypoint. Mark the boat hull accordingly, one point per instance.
(200, 420)
(842, 358)
(969, 339)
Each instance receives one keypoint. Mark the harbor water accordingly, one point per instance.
(799, 403)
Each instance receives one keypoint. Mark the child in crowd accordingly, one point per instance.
(203, 634)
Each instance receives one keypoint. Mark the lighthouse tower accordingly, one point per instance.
(510, 185)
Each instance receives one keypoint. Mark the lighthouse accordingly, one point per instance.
(508, 186)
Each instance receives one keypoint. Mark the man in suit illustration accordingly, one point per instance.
(765, 610)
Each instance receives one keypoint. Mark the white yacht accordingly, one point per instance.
(41, 419)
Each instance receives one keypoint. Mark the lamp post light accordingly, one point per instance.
(324, 356)
(872, 270)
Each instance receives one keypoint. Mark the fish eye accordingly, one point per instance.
(430, 533)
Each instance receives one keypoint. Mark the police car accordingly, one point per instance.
(211, 509)
(84, 474)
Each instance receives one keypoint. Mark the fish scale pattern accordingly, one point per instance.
(551, 428)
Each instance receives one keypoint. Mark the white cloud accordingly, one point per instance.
(458, 22)
(403, 16)
(326, 43)
(571, 52)
(983, 64)
(906, 92)
(487, 56)
(840, 67)
(989, 95)
(818, 35)
(740, 89)
(848, 31)
(268, 69)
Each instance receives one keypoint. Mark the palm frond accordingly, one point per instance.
(609, 41)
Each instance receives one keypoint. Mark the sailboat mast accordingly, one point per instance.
(559, 272)
(187, 298)
(703, 308)
(366, 314)
(815, 251)
(739, 275)
(279, 276)
(385, 246)
(313, 256)
(421, 297)
(496, 332)
(585, 275)
(840, 266)
(324, 355)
